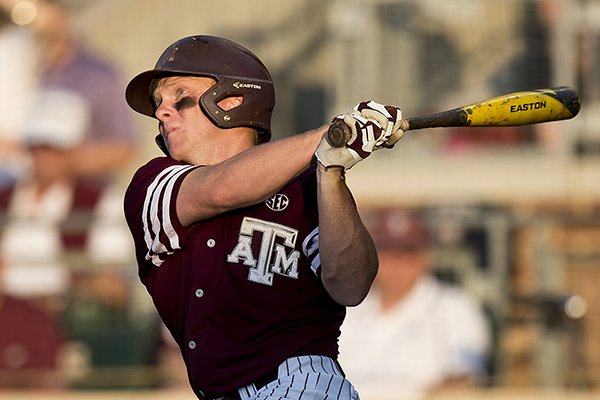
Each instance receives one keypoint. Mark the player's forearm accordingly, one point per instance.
(348, 256)
(247, 178)
(262, 170)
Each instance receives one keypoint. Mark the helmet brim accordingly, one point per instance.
(138, 94)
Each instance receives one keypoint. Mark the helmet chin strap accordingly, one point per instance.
(160, 141)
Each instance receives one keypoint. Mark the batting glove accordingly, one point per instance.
(388, 117)
(373, 126)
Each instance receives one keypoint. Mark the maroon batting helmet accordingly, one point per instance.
(237, 70)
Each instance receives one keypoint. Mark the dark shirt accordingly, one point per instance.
(99, 84)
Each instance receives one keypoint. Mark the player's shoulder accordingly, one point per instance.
(154, 167)
(149, 172)
(159, 163)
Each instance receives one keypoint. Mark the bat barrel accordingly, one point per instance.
(525, 108)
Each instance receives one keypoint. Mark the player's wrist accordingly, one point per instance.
(334, 172)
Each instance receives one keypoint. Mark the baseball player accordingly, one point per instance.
(250, 250)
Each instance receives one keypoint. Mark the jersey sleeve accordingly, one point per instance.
(310, 244)
(310, 248)
(150, 208)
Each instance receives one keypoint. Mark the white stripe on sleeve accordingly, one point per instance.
(157, 222)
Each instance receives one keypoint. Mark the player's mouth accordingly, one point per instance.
(166, 131)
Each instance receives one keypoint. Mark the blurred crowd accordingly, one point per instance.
(68, 293)
(415, 334)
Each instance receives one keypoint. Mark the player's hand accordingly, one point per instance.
(330, 156)
(388, 118)
(373, 126)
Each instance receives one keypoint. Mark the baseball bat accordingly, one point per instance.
(512, 109)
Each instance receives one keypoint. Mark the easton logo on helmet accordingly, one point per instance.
(242, 85)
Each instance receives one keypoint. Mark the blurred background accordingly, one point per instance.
(514, 212)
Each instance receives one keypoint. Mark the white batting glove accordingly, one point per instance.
(373, 126)
(388, 117)
(330, 156)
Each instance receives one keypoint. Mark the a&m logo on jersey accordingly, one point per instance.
(278, 202)
(276, 254)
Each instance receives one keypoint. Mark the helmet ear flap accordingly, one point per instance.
(208, 103)
(255, 111)
(160, 141)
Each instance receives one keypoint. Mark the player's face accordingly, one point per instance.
(399, 269)
(183, 125)
(50, 163)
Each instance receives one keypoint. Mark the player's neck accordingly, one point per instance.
(230, 143)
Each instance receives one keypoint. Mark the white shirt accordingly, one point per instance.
(436, 332)
(31, 245)
(19, 80)
(18, 71)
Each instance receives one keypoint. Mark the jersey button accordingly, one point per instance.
(199, 292)
(211, 243)
(192, 344)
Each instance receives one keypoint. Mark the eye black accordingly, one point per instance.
(186, 102)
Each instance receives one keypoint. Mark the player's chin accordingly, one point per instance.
(174, 148)
(175, 152)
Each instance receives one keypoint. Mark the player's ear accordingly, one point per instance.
(231, 102)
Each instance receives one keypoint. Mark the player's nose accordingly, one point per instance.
(164, 111)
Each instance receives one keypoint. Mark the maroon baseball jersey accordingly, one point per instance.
(240, 292)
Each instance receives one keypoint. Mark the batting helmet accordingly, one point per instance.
(237, 70)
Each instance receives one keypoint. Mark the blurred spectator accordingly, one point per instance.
(52, 210)
(35, 206)
(64, 62)
(413, 334)
(65, 244)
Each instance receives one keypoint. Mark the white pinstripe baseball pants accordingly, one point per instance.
(305, 378)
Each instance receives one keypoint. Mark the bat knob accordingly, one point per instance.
(338, 134)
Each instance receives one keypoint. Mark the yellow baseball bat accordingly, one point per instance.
(512, 109)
